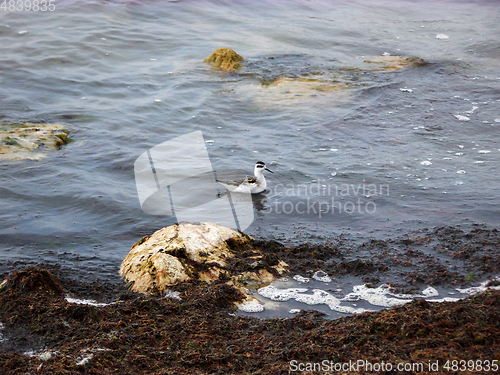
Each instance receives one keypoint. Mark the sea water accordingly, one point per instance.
(394, 151)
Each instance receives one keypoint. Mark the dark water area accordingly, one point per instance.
(397, 151)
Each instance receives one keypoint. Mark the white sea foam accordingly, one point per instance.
(444, 299)
(87, 355)
(322, 276)
(470, 112)
(481, 288)
(86, 359)
(172, 294)
(442, 36)
(380, 296)
(281, 295)
(462, 118)
(427, 292)
(251, 307)
(301, 279)
(426, 162)
(48, 354)
(86, 302)
(319, 297)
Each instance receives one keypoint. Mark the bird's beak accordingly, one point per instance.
(267, 169)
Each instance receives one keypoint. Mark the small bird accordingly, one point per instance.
(256, 184)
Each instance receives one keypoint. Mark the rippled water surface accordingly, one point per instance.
(394, 150)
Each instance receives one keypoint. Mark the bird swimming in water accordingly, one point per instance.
(256, 184)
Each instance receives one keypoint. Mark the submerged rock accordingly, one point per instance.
(306, 85)
(225, 59)
(302, 88)
(393, 63)
(30, 141)
(288, 91)
(292, 79)
(205, 252)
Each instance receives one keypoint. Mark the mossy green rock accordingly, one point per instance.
(30, 141)
(225, 59)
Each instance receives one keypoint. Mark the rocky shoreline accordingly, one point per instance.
(195, 332)
(194, 328)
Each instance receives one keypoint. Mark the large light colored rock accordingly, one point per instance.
(30, 141)
(194, 251)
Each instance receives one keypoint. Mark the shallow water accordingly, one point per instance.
(396, 151)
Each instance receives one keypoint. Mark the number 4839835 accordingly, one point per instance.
(28, 5)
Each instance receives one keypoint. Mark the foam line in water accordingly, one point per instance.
(86, 302)
(481, 288)
(380, 296)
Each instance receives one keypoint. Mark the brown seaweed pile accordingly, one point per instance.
(199, 334)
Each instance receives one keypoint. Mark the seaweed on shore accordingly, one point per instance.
(199, 334)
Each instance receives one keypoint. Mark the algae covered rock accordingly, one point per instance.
(30, 141)
(186, 251)
(393, 63)
(225, 59)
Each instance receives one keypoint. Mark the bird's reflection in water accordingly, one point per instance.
(260, 202)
